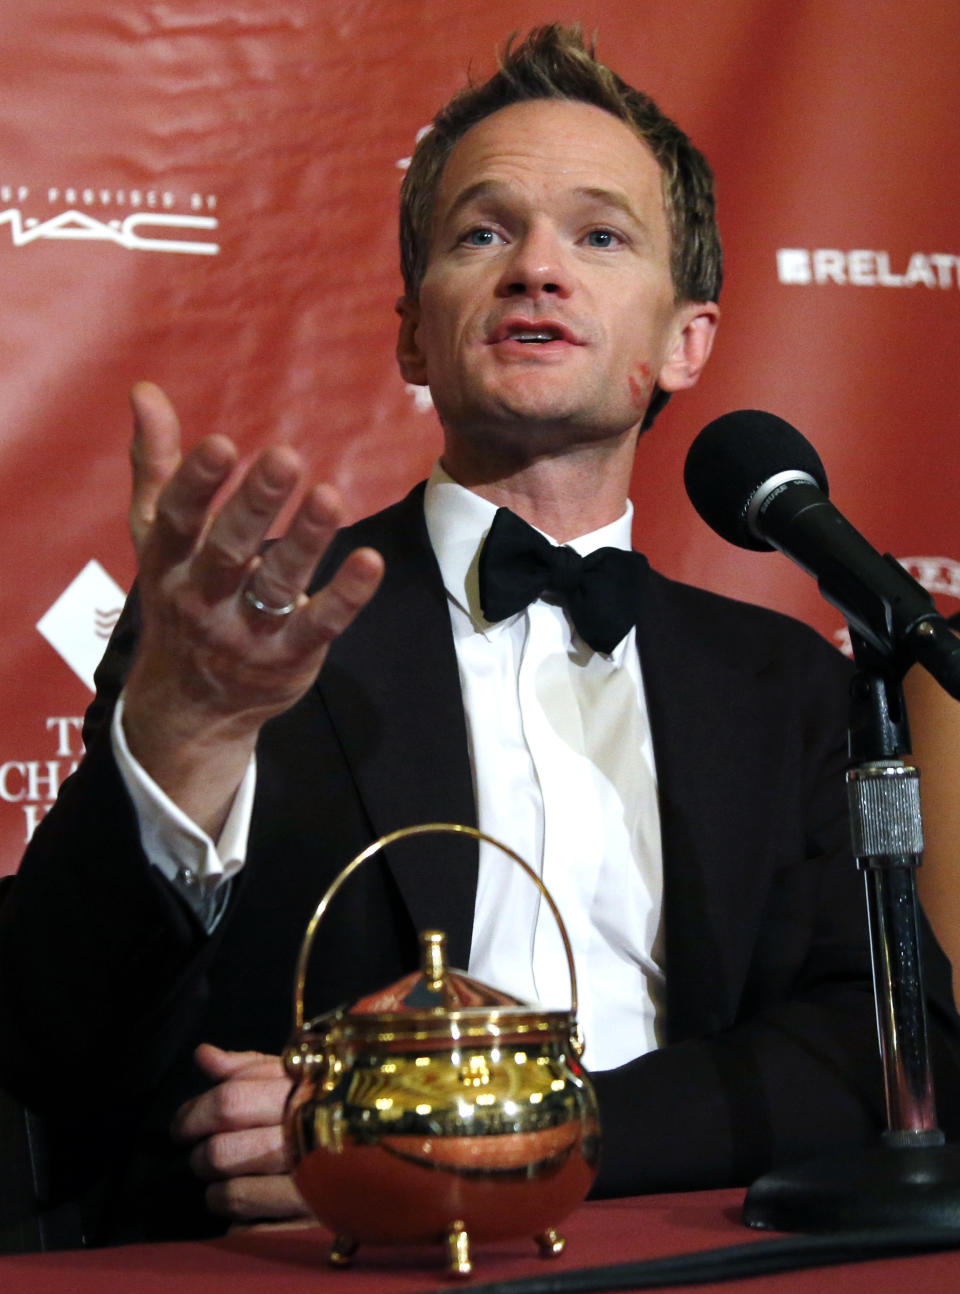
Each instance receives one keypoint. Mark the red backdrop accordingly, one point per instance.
(205, 194)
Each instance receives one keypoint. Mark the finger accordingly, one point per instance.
(239, 1154)
(217, 1063)
(239, 529)
(231, 1106)
(154, 455)
(287, 565)
(183, 508)
(246, 1199)
(335, 606)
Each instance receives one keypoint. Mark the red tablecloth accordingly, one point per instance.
(292, 1260)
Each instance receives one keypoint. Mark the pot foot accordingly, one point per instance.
(342, 1251)
(458, 1250)
(550, 1243)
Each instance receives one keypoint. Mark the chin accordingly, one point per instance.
(538, 402)
(503, 411)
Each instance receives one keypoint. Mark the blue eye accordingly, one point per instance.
(481, 236)
(601, 238)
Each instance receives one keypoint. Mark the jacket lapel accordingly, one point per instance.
(702, 717)
(392, 692)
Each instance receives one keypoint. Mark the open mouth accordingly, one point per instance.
(532, 334)
(534, 338)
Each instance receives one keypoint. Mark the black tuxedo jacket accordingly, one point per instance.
(771, 1048)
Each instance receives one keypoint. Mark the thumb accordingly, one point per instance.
(154, 455)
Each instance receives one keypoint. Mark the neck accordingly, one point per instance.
(565, 495)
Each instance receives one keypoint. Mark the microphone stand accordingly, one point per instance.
(910, 1178)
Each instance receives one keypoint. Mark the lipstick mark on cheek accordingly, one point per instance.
(640, 382)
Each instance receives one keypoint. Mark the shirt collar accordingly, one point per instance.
(457, 523)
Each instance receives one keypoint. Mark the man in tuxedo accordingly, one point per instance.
(670, 761)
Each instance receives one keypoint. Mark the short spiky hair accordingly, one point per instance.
(554, 63)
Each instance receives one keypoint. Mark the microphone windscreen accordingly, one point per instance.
(732, 458)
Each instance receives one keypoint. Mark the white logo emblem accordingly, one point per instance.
(866, 269)
(144, 231)
(81, 620)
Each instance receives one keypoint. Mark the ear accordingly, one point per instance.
(412, 362)
(696, 326)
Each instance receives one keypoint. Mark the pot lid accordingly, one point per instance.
(435, 986)
(439, 1005)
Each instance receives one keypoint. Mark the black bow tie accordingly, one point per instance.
(600, 591)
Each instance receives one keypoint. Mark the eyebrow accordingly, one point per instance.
(482, 189)
(474, 192)
(611, 198)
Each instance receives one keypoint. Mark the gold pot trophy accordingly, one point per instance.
(439, 1110)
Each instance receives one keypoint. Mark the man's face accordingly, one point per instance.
(547, 312)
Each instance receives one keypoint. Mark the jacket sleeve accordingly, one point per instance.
(97, 953)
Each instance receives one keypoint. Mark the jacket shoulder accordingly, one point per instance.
(741, 632)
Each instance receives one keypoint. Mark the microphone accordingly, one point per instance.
(759, 484)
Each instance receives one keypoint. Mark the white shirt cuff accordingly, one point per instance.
(195, 865)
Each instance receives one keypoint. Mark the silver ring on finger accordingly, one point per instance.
(266, 608)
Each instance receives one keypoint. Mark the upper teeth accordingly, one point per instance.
(533, 336)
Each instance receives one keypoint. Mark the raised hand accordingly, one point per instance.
(230, 637)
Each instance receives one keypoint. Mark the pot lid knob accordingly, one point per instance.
(433, 958)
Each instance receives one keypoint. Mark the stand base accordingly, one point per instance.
(876, 1186)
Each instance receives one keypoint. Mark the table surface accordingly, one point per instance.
(292, 1260)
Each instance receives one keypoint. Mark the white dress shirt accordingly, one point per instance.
(563, 774)
(187, 857)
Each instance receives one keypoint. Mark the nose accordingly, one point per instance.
(537, 265)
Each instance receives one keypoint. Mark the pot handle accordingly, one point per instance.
(426, 828)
